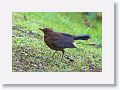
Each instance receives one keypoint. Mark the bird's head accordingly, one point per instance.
(46, 30)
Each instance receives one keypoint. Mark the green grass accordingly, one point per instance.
(30, 53)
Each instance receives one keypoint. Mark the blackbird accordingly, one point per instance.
(60, 41)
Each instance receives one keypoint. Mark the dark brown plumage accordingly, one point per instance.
(59, 41)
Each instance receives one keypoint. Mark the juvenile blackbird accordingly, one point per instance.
(60, 41)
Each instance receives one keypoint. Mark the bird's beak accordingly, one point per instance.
(40, 29)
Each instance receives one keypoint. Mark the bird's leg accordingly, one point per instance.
(62, 54)
(54, 54)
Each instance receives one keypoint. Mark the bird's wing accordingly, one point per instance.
(65, 34)
(64, 41)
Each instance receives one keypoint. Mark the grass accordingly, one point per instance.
(30, 53)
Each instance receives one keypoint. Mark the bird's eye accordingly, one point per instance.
(46, 30)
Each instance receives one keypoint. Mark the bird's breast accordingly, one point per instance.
(49, 40)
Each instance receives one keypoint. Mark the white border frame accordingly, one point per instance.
(104, 77)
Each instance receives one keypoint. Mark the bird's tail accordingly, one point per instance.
(81, 37)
